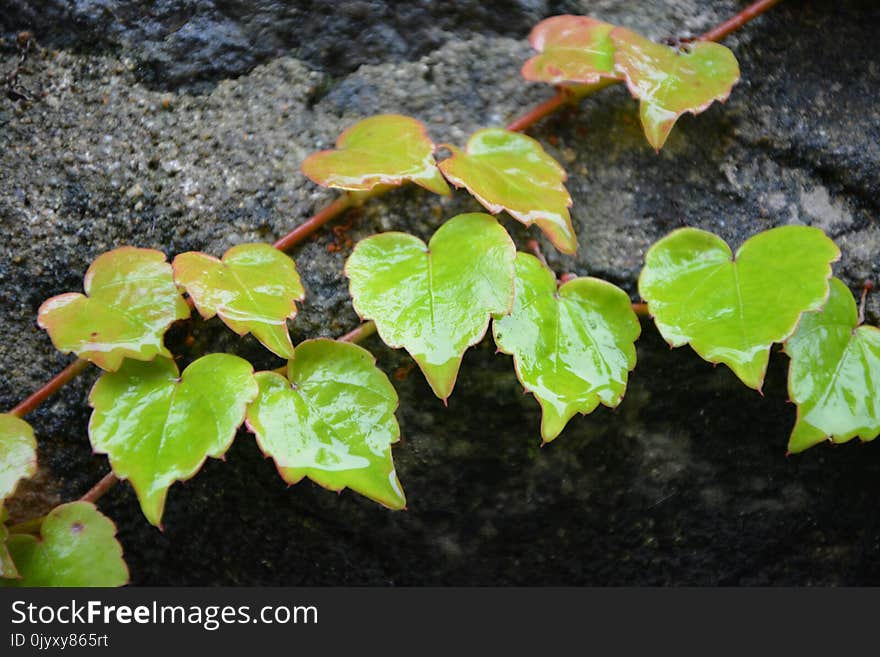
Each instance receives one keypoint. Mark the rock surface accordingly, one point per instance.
(686, 483)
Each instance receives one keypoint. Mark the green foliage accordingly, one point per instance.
(77, 547)
(254, 289)
(574, 49)
(732, 309)
(573, 346)
(505, 170)
(381, 150)
(834, 374)
(332, 420)
(158, 427)
(670, 81)
(130, 301)
(435, 300)
(7, 565)
(18, 453)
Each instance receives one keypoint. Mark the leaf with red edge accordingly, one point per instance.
(18, 453)
(573, 50)
(387, 149)
(505, 170)
(669, 81)
(130, 301)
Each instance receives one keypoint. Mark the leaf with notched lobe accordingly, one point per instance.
(573, 50)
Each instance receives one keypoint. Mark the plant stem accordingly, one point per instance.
(540, 111)
(733, 24)
(69, 373)
(641, 309)
(97, 491)
(362, 332)
(867, 287)
(305, 229)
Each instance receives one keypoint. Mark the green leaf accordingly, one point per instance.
(18, 453)
(573, 347)
(669, 81)
(254, 289)
(834, 374)
(332, 420)
(77, 547)
(435, 300)
(574, 49)
(7, 565)
(381, 150)
(158, 427)
(505, 170)
(130, 302)
(731, 309)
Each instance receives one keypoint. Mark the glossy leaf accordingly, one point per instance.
(77, 547)
(381, 150)
(505, 170)
(18, 453)
(732, 309)
(130, 301)
(7, 565)
(834, 377)
(332, 420)
(669, 81)
(573, 347)
(573, 49)
(435, 300)
(254, 289)
(158, 427)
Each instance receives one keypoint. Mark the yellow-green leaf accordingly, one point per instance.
(670, 81)
(130, 301)
(573, 50)
(7, 565)
(18, 453)
(435, 300)
(331, 420)
(253, 289)
(381, 150)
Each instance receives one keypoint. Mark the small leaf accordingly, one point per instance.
(574, 50)
(505, 170)
(834, 374)
(435, 300)
(254, 289)
(158, 427)
(669, 81)
(78, 547)
(332, 420)
(731, 309)
(130, 302)
(18, 453)
(7, 565)
(381, 150)
(573, 347)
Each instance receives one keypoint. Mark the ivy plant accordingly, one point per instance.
(18, 453)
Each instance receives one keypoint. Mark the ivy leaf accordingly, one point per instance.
(834, 374)
(130, 302)
(574, 49)
(77, 547)
(505, 170)
(731, 309)
(573, 347)
(670, 82)
(435, 300)
(332, 420)
(7, 565)
(158, 427)
(254, 289)
(18, 453)
(387, 149)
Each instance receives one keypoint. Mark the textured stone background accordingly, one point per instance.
(181, 125)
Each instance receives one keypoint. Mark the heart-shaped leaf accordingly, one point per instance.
(158, 427)
(381, 150)
(505, 170)
(669, 81)
(77, 547)
(332, 420)
(130, 302)
(7, 565)
(574, 49)
(573, 347)
(254, 289)
(435, 300)
(731, 309)
(834, 377)
(18, 453)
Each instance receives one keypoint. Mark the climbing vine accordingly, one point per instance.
(329, 414)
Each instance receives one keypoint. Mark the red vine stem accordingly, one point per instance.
(733, 24)
(309, 226)
(97, 491)
(57, 382)
(540, 111)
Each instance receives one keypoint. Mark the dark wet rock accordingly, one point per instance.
(685, 483)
